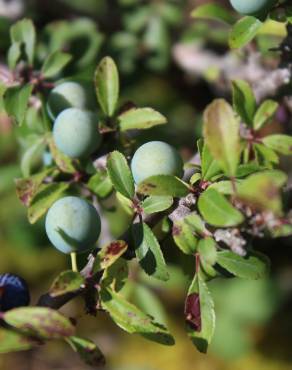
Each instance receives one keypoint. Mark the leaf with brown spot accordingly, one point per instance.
(87, 350)
(11, 341)
(200, 314)
(62, 161)
(163, 185)
(67, 282)
(109, 254)
(44, 198)
(39, 322)
(26, 188)
(115, 276)
(132, 319)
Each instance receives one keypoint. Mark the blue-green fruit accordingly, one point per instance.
(76, 132)
(252, 7)
(156, 158)
(68, 95)
(72, 225)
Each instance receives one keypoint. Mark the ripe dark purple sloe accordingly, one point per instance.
(14, 292)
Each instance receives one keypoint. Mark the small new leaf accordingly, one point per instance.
(244, 100)
(264, 113)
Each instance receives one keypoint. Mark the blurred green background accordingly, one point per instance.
(254, 322)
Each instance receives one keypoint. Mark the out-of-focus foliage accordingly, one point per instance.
(173, 58)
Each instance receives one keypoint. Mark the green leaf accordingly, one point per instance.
(209, 165)
(26, 188)
(149, 302)
(264, 113)
(131, 319)
(107, 85)
(44, 198)
(14, 54)
(244, 31)
(217, 211)
(16, 101)
(31, 154)
(281, 231)
(223, 187)
(40, 322)
(184, 238)
(54, 63)
(244, 170)
(100, 183)
(261, 190)
(11, 341)
(140, 119)
(148, 252)
(116, 275)
(208, 251)
(267, 155)
(67, 282)
(280, 143)
(213, 11)
(221, 132)
(200, 314)
(120, 174)
(251, 267)
(108, 255)
(196, 224)
(62, 161)
(155, 204)
(23, 32)
(87, 350)
(196, 177)
(243, 100)
(163, 185)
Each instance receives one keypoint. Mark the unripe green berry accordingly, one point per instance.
(252, 7)
(70, 94)
(76, 132)
(72, 225)
(156, 158)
